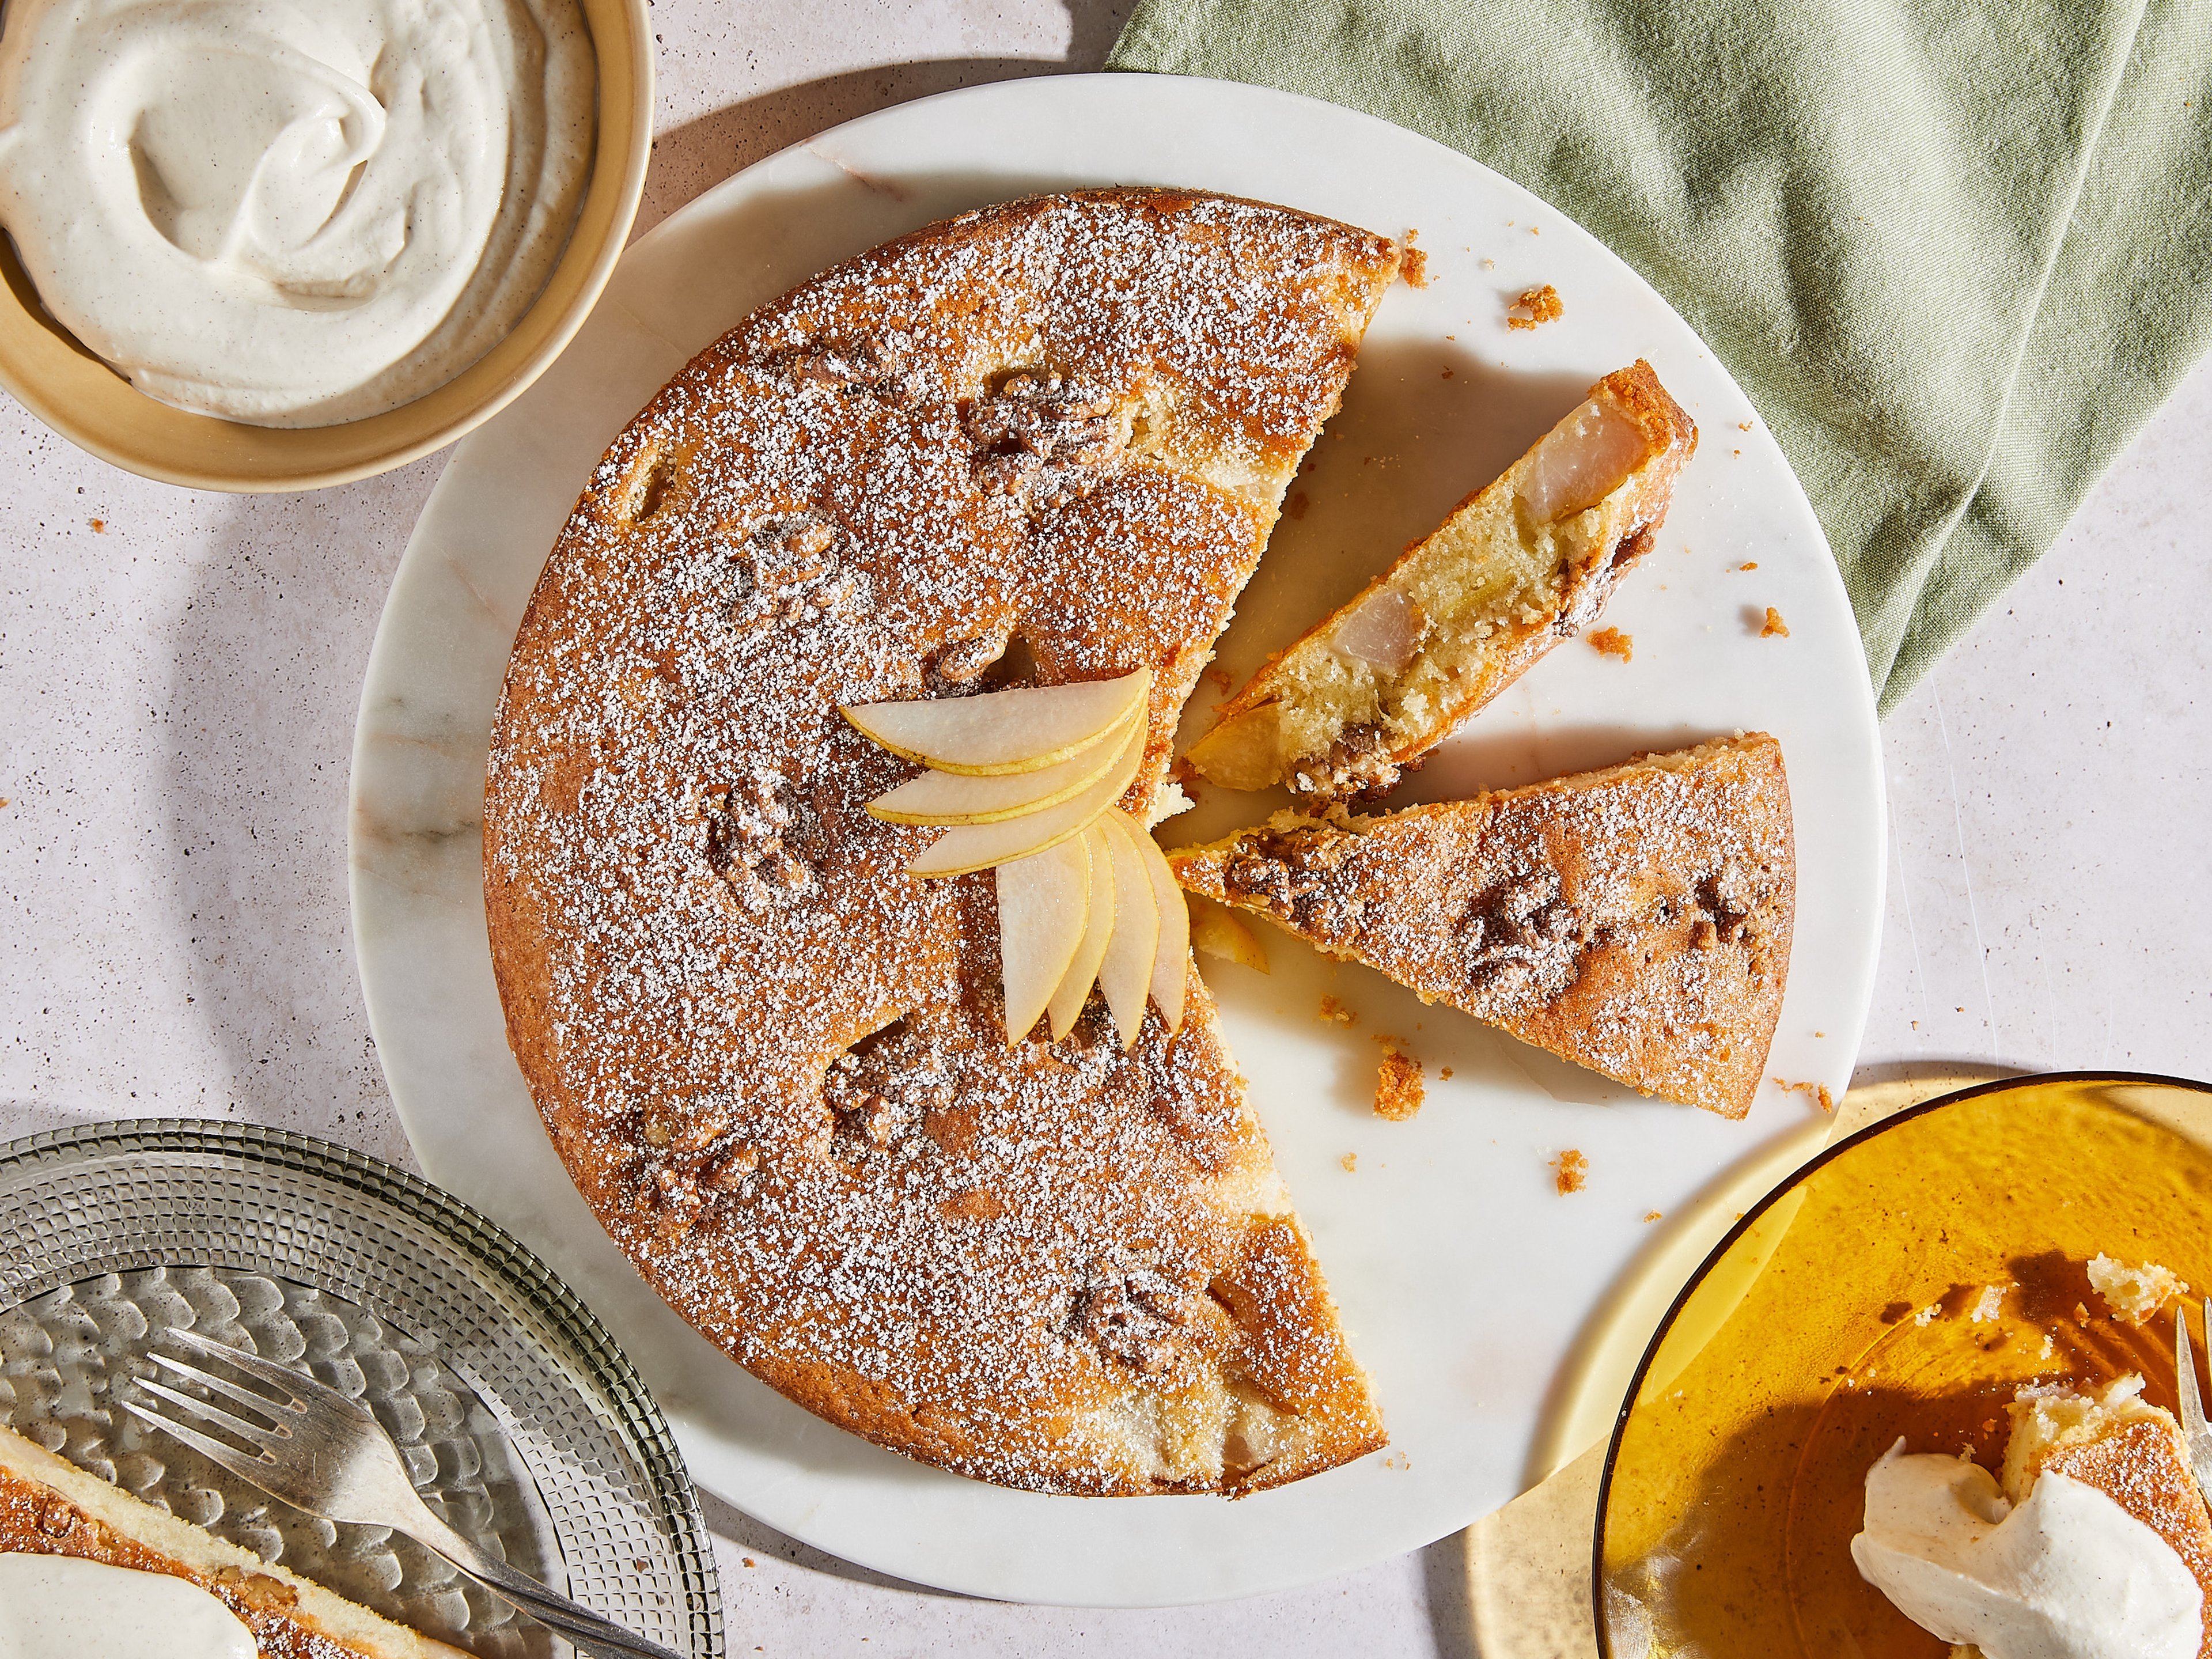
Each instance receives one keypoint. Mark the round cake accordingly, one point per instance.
(1039, 443)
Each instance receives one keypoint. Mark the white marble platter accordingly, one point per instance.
(1468, 1283)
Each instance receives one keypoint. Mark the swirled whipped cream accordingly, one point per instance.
(2068, 1574)
(292, 212)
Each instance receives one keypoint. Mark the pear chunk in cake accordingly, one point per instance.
(1636, 921)
(1522, 564)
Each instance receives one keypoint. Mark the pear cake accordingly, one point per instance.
(1636, 921)
(49, 1507)
(1039, 444)
(1522, 564)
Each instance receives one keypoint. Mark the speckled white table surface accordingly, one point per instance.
(178, 681)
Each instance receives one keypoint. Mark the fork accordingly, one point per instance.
(2194, 1432)
(326, 1453)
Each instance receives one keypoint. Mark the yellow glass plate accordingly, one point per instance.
(1904, 1283)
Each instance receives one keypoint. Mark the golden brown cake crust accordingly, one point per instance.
(1636, 921)
(770, 1060)
(48, 1507)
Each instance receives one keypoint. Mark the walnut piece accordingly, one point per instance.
(1520, 939)
(1357, 763)
(746, 825)
(1044, 436)
(1133, 1313)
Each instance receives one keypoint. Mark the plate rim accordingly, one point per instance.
(1750, 1218)
(1875, 851)
(616, 1379)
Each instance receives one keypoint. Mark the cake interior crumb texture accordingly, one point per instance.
(1527, 561)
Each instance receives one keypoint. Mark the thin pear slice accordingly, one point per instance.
(1171, 963)
(1126, 974)
(1074, 988)
(980, 846)
(947, 799)
(1044, 905)
(1022, 729)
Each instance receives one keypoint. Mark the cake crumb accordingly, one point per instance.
(1743, 426)
(1295, 509)
(1611, 642)
(99, 526)
(1988, 1305)
(748, 1561)
(1774, 625)
(1571, 1171)
(1748, 564)
(1445, 1073)
(1398, 1087)
(1651, 1216)
(1535, 306)
(1350, 1162)
(1331, 1009)
(1414, 266)
(2133, 1293)
(1817, 1091)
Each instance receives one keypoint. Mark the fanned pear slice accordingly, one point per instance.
(1021, 729)
(1524, 563)
(1172, 960)
(1043, 908)
(1074, 988)
(1125, 977)
(949, 799)
(980, 846)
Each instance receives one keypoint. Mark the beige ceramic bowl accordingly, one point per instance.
(96, 409)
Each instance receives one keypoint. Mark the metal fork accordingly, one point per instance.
(2194, 1430)
(324, 1452)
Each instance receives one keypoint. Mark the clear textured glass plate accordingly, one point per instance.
(524, 1424)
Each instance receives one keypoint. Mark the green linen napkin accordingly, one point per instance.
(1955, 250)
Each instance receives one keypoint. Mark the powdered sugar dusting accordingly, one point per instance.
(1637, 921)
(1049, 435)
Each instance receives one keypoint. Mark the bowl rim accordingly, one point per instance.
(623, 128)
(1750, 1218)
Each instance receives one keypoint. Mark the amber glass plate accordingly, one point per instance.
(1903, 1284)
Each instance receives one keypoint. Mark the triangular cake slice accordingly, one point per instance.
(1635, 920)
(1522, 564)
(1039, 443)
(49, 1507)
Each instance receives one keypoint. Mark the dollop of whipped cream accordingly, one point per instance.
(57, 1606)
(292, 212)
(2067, 1575)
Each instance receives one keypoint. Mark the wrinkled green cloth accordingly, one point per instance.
(1955, 250)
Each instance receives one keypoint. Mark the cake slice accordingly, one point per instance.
(1635, 920)
(48, 1506)
(1520, 565)
(2130, 1449)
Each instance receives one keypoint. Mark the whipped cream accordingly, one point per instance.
(56, 1607)
(2067, 1575)
(292, 212)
